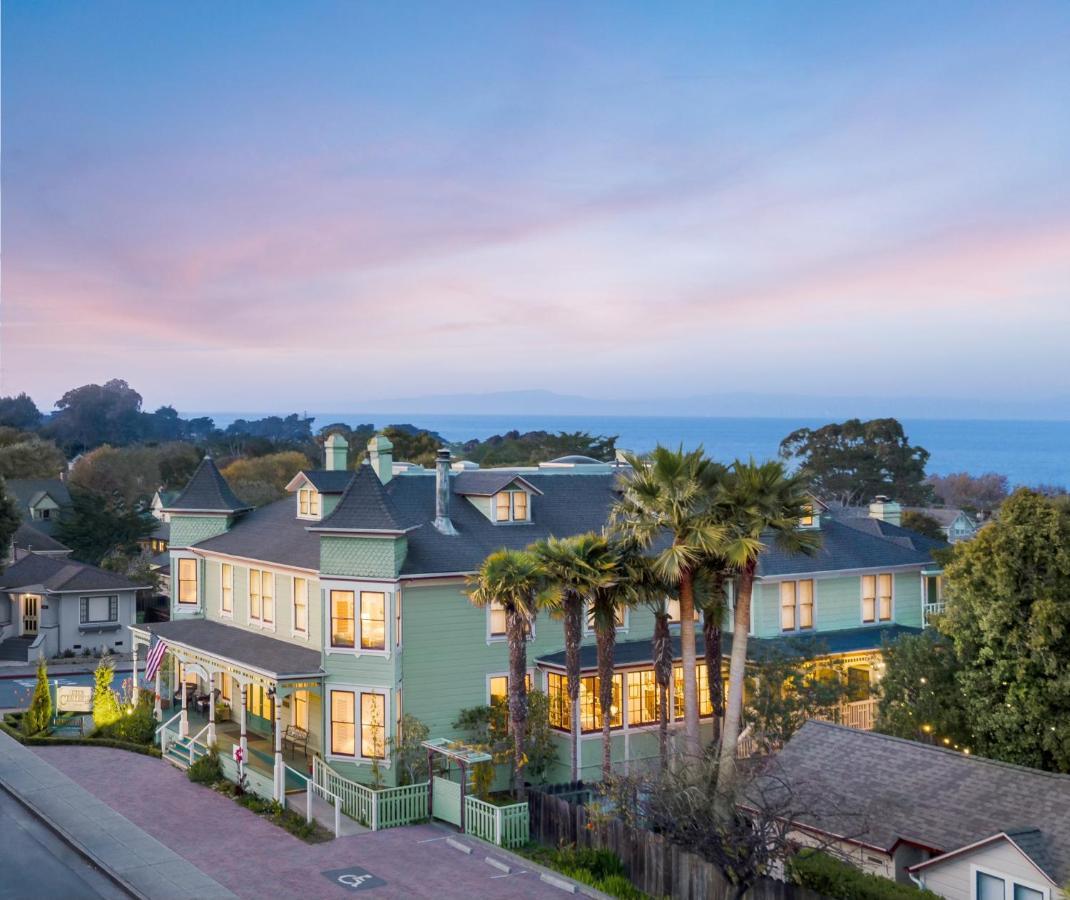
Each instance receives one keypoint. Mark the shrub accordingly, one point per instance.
(40, 711)
(207, 769)
(105, 703)
(835, 878)
(137, 725)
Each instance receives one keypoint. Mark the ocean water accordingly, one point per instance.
(1027, 452)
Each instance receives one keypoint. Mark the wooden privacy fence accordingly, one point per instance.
(505, 826)
(654, 866)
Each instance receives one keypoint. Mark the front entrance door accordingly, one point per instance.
(29, 615)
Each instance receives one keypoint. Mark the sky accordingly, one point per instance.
(275, 206)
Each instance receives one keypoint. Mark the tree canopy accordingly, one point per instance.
(25, 455)
(855, 461)
(923, 523)
(971, 492)
(96, 526)
(19, 412)
(9, 519)
(516, 449)
(263, 479)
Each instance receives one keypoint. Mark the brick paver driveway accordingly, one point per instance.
(254, 858)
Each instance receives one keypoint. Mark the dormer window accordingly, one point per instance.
(807, 520)
(511, 506)
(308, 503)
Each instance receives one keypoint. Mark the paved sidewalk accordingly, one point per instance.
(132, 857)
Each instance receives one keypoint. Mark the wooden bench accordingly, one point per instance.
(294, 736)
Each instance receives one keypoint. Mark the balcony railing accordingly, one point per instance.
(933, 609)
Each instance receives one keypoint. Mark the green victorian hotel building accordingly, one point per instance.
(316, 622)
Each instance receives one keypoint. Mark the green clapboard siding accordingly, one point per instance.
(362, 557)
(189, 530)
(908, 599)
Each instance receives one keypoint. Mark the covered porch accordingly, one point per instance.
(226, 687)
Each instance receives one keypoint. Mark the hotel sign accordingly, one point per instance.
(74, 698)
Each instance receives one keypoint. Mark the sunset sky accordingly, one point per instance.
(275, 206)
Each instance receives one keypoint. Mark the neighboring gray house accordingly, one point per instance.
(957, 524)
(39, 500)
(964, 827)
(28, 539)
(57, 604)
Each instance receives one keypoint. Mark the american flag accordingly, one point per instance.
(152, 662)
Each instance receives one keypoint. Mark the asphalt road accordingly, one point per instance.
(38, 865)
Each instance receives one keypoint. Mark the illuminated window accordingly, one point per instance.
(258, 703)
(254, 594)
(300, 716)
(226, 591)
(502, 506)
(343, 723)
(302, 502)
(343, 633)
(224, 687)
(590, 713)
(673, 606)
(796, 605)
(643, 706)
(499, 687)
(511, 506)
(498, 619)
(187, 581)
(372, 620)
(308, 503)
(702, 687)
(301, 605)
(560, 708)
(807, 519)
(520, 506)
(876, 598)
(373, 726)
(267, 590)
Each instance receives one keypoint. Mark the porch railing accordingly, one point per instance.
(504, 826)
(194, 743)
(933, 609)
(163, 732)
(860, 714)
(312, 788)
(386, 808)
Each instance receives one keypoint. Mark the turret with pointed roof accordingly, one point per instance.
(208, 491)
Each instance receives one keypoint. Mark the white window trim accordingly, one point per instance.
(260, 623)
(512, 520)
(223, 613)
(798, 629)
(1009, 881)
(309, 517)
(503, 637)
(531, 671)
(387, 590)
(388, 732)
(179, 606)
(877, 620)
(294, 630)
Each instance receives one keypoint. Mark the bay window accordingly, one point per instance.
(343, 723)
(343, 632)
(372, 620)
(373, 726)
(187, 581)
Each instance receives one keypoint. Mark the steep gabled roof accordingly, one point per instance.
(28, 491)
(326, 481)
(61, 575)
(364, 506)
(208, 491)
(34, 540)
(930, 796)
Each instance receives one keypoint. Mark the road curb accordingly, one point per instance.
(72, 842)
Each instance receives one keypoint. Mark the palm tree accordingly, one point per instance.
(513, 578)
(673, 496)
(759, 503)
(607, 603)
(575, 567)
(712, 600)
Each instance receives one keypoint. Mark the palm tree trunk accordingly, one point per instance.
(607, 637)
(663, 678)
(687, 652)
(517, 628)
(711, 633)
(736, 675)
(573, 637)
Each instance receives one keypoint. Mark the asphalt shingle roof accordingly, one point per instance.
(849, 640)
(29, 490)
(365, 506)
(208, 490)
(486, 482)
(927, 795)
(329, 481)
(29, 538)
(258, 651)
(272, 533)
(56, 574)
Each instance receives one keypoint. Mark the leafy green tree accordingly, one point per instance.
(920, 698)
(1008, 616)
(95, 414)
(177, 461)
(106, 708)
(413, 444)
(923, 524)
(40, 711)
(25, 455)
(263, 479)
(757, 503)
(854, 461)
(407, 748)
(9, 520)
(532, 447)
(575, 567)
(97, 526)
(19, 412)
(514, 579)
(673, 496)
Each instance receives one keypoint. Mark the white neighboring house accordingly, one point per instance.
(56, 604)
(964, 827)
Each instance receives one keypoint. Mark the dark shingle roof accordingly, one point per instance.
(162, 531)
(272, 533)
(29, 538)
(29, 490)
(365, 506)
(208, 490)
(56, 574)
(487, 482)
(927, 795)
(852, 544)
(258, 651)
(849, 640)
(329, 481)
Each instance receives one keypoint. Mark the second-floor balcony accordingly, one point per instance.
(933, 609)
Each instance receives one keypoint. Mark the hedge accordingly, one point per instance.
(835, 878)
(48, 740)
